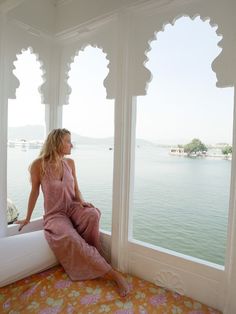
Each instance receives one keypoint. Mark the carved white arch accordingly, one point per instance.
(75, 53)
(217, 12)
(172, 22)
(14, 82)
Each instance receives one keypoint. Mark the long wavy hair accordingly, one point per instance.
(52, 147)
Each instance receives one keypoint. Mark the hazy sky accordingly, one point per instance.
(27, 107)
(89, 113)
(182, 101)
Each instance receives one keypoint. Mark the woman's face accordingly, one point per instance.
(66, 144)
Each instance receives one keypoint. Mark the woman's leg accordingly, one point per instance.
(80, 260)
(86, 222)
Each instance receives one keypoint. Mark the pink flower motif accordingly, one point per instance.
(7, 304)
(90, 299)
(28, 293)
(50, 310)
(62, 284)
(158, 299)
(70, 309)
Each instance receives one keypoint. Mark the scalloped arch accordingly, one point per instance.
(20, 51)
(172, 22)
(72, 58)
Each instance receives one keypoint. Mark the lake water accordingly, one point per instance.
(179, 203)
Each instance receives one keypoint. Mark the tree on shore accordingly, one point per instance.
(227, 150)
(195, 146)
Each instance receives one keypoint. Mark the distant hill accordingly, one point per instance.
(83, 140)
(27, 132)
(36, 132)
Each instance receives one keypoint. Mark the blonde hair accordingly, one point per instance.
(52, 147)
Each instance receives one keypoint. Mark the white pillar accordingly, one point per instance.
(123, 157)
(3, 130)
(230, 265)
(53, 110)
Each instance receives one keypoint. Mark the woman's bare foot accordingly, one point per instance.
(122, 284)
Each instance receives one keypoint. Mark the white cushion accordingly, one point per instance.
(24, 255)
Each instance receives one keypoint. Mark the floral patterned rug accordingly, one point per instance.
(52, 292)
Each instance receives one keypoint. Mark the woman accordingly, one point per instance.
(71, 225)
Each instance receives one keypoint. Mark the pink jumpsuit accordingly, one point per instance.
(72, 231)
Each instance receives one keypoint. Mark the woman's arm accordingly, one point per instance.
(78, 195)
(35, 184)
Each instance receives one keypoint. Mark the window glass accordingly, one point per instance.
(26, 131)
(90, 118)
(183, 145)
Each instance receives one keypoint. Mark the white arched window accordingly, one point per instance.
(90, 118)
(26, 131)
(181, 191)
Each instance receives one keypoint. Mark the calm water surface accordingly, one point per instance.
(179, 203)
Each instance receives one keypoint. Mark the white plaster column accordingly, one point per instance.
(53, 110)
(3, 134)
(123, 158)
(230, 266)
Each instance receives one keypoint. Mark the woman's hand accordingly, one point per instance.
(22, 223)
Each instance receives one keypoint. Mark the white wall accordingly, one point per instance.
(70, 14)
(38, 14)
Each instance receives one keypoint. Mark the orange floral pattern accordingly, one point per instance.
(52, 292)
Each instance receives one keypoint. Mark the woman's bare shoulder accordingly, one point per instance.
(36, 164)
(70, 162)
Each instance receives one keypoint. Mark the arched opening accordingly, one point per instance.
(181, 191)
(90, 118)
(26, 131)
